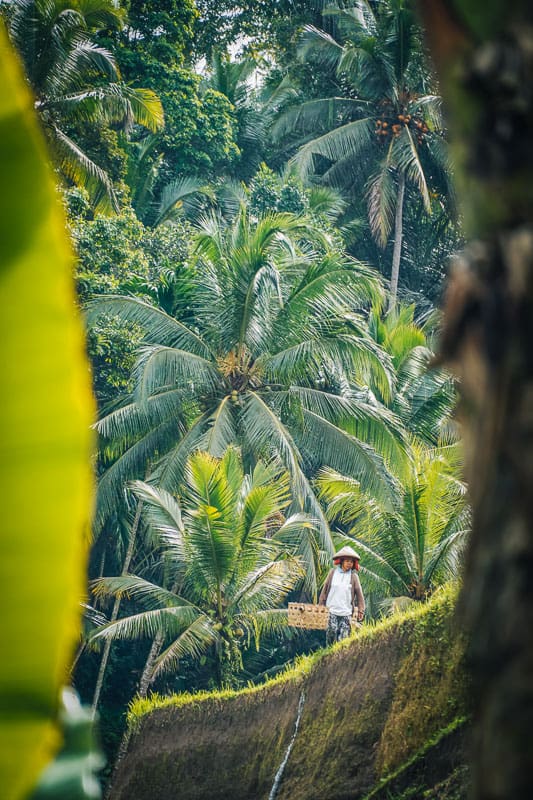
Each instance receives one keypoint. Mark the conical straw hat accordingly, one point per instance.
(347, 552)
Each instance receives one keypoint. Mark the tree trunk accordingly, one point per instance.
(147, 675)
(116, 607)
(398, 238)
(485, 60)
(80, 651)
(83, 644)
(144, 683)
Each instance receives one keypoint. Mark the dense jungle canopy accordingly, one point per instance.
(261, 202)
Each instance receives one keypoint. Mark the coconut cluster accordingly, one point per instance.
(392, 126)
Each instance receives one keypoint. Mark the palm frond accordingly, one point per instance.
(314, 115)
(447, 557)
(347, 504)
(381, 193)
(70, 73)
(134, 463)
(379, 569)
(364, 418)
(77, 166)
(271, 621)
(261, 505)
(346, 454)
(222, 429)
(169, 471)
(159, 367)
(330, 286)
(408, 161)
(431, 401)
(131, 586)
(303, 543)
(162, 513)
(128, 422)
(102, 14)
(357, 356)
(211, 534)
(431, 107)
(265, 432)
(159, 326)
(120, 103)
(92, 616)
(148, 624)
(350, 140)
(320, 46)
(143, 170)
(268, 585)
(326, 201)
(178, 196)
(193, 643)
(144, 106)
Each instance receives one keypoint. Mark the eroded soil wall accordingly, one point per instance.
(370, 705)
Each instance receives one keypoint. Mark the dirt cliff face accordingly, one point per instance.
(370, 706)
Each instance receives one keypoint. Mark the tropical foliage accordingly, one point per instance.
(235, 179)
(423, 397)
(269, 359)
(233, 80)
(419, 546)
(223, 554)
(77, 82)
(383, 134)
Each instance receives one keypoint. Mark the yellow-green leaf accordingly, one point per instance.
(46, 409)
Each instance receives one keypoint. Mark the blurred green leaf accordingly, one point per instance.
(45, 444)
(71, 776)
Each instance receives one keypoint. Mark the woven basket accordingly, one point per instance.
(307, 615)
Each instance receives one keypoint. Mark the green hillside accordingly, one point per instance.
(382, 715)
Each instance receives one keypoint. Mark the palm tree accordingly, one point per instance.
(255, 108)
(423, 397)
(384, 135)
(183, 197)
(268, 360)
(408, 553)
(225, 565)
(77, 82)
(233, 79)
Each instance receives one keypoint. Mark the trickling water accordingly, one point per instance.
(279, 774)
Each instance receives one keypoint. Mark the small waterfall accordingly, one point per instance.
(279, 774)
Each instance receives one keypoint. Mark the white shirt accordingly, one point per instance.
(339, 599)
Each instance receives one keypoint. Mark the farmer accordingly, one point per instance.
(342, 594)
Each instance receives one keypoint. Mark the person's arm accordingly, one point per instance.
(358, 595)
(325, 590)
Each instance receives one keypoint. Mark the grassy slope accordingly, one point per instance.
(374, 708)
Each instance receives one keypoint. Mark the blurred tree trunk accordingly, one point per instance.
(484, 57)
